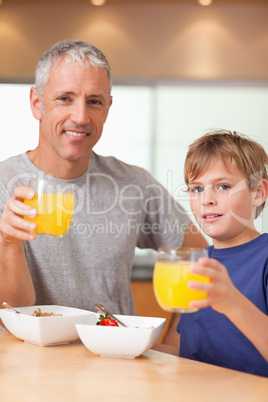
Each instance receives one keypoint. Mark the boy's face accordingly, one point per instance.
(223, 206)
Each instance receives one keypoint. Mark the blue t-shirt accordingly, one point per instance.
(211, 337)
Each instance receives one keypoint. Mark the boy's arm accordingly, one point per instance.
(225, 298)
(252, 322)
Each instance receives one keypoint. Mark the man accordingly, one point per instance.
(118, 207)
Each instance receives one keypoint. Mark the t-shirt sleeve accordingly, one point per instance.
(165, 220)
(266, 283)
(4, 196)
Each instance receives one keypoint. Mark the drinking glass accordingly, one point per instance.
(54, 203)
(171, 274)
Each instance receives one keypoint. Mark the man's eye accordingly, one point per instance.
(64, 98)
(224, 187)
(95, 102)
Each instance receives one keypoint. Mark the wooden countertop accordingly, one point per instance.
(71, 373)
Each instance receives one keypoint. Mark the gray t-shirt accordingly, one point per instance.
(117, 207)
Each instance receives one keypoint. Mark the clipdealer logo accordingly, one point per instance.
(100, 194)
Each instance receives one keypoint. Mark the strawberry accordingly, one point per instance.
(107, 321)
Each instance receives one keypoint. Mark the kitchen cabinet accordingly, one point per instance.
(146, 304)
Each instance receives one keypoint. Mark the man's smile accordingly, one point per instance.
(76, 133)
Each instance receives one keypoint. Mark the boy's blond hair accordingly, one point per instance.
(233, 148)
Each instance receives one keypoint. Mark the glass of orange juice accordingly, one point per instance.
(171, 274)
(54, 202)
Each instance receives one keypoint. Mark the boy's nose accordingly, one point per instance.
(208, 197)
(210, 202)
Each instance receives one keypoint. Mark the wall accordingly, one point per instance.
(142, 41)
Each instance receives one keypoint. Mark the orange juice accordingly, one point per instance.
(170, 285)
(55, 213)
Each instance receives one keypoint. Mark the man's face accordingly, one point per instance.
(75, 106)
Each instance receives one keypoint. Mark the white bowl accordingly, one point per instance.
(139, 336)
(44, 331)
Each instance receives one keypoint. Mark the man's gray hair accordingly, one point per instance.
(70, 51)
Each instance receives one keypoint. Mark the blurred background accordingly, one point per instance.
(179, 69)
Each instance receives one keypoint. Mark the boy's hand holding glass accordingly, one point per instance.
(172, 272)
(223, 295)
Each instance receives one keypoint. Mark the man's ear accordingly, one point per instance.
(261, 192)
(36, 103)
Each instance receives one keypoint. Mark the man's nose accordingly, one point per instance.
(80, 113)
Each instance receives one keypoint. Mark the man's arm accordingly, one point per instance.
(16, 286)
(170, 343)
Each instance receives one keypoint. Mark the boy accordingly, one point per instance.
(228, 185)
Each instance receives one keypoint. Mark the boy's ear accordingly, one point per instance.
(261, 192)
(36, 103)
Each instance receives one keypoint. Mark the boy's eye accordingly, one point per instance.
(224, 187)
(196, 189)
